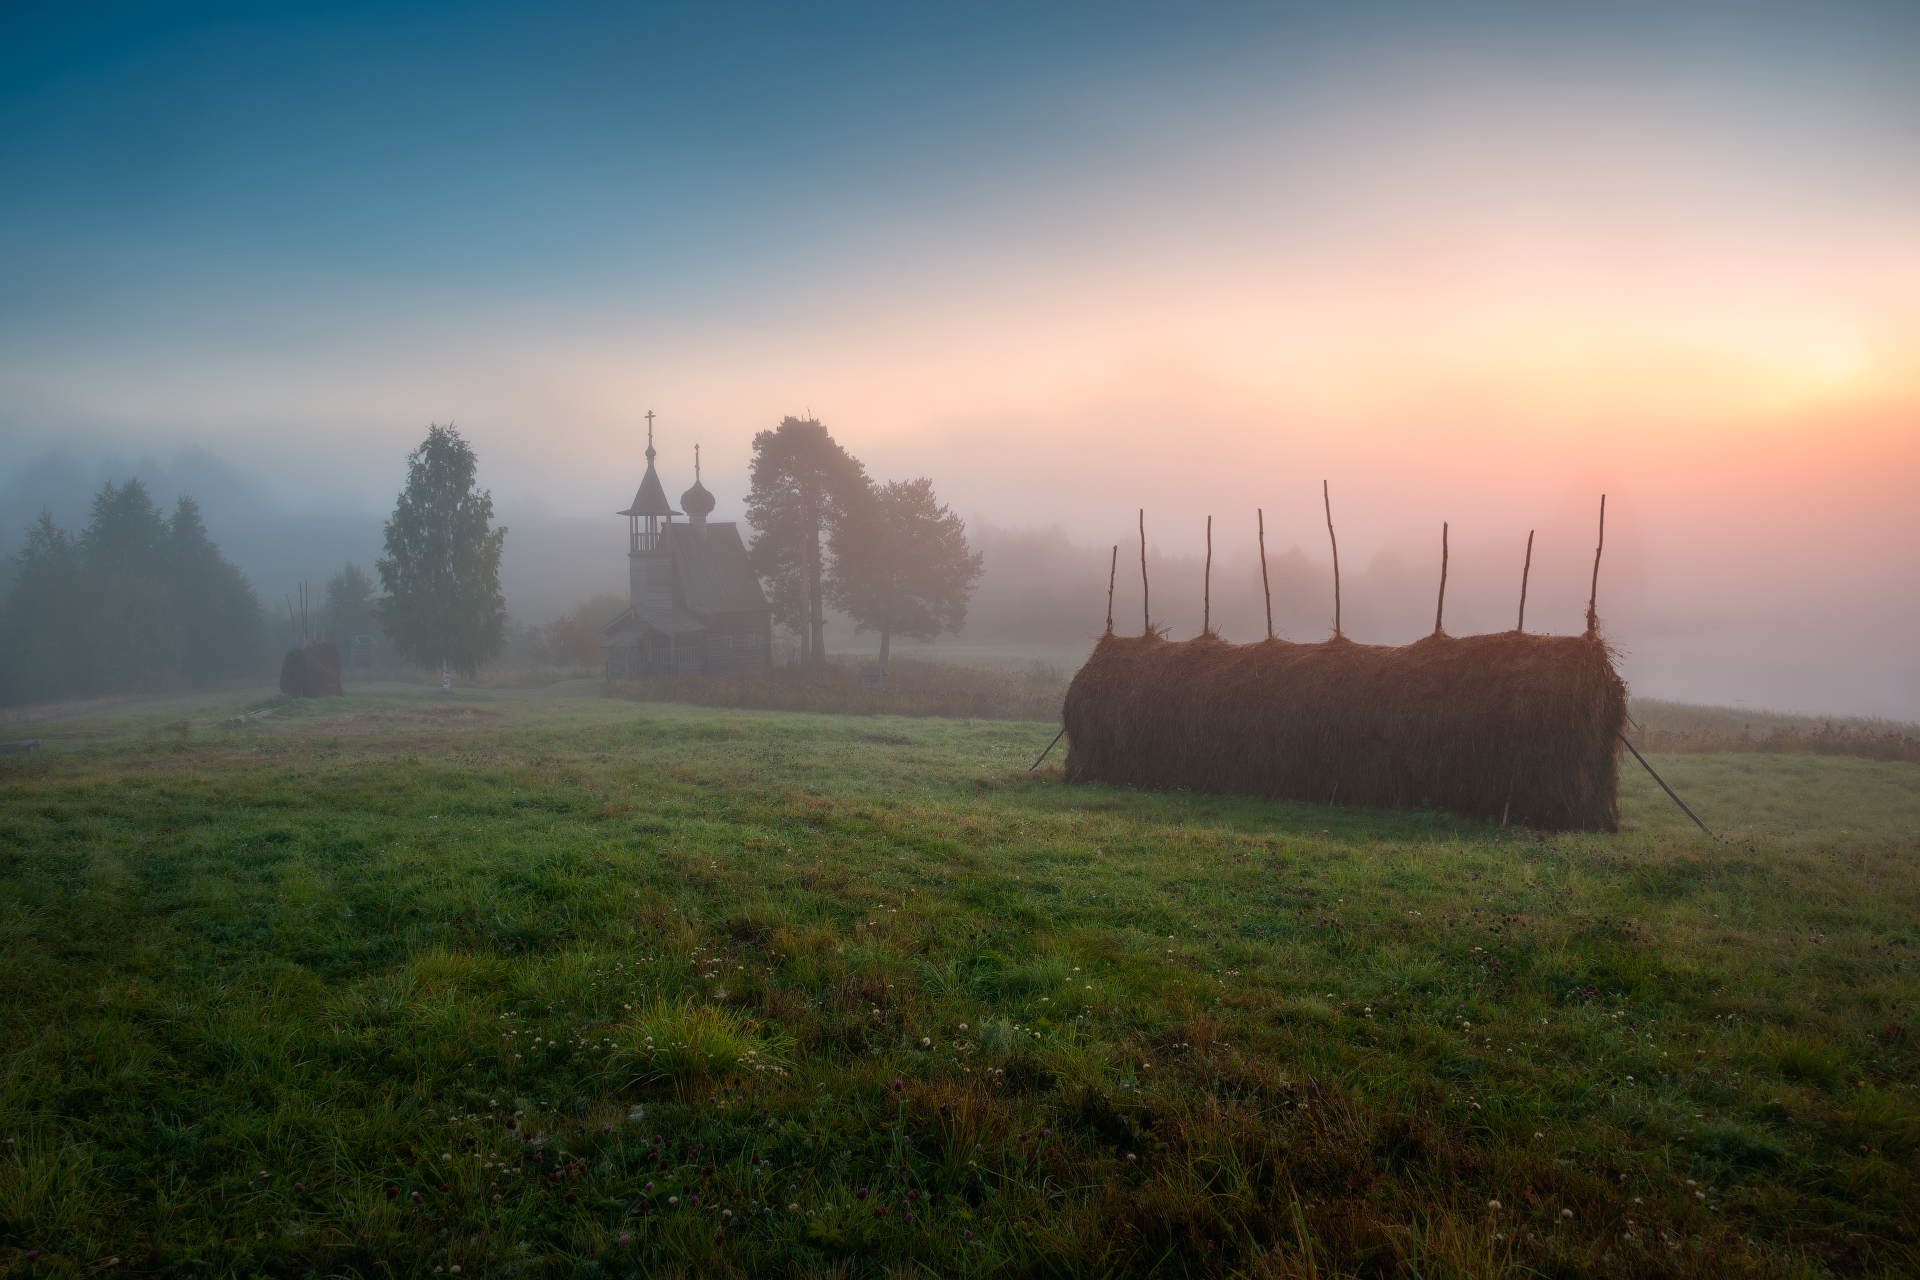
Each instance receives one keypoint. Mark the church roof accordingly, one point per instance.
(697, 501)
(650, 499)
(669, 621)
(711, 570)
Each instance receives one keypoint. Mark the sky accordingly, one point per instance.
(1466, 262)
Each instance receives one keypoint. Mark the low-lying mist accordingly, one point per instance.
(1045, 588)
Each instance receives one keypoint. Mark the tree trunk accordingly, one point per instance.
(886, 641)
(816, 618)
(446, 676)
(806, 631)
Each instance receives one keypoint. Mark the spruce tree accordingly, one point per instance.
(221, 624)
(43, 637)
(136, 640)
(137, 603)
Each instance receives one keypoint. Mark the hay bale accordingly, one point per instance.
(312, 671)
(1509, 726)
(293, 673)
(323, 670)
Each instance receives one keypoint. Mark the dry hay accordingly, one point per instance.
(312, 671)
(1510, 727)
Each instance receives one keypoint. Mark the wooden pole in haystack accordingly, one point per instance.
(1441, 608)
(1593, 595)
(1043, 755)
(1146, 613)
(1263, 570)
(1112, 569)
(1336, 557)
(1525, 569)
(1206, 584)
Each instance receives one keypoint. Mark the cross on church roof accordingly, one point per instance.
(651, 500)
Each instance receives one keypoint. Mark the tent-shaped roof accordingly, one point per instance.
(650, 499)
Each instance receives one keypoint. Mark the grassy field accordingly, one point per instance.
(539, 983)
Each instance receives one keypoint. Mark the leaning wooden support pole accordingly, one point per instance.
(1263, 570)
(1043, 755)
(1328, 500)
(1440, 609)
(1525, 569)
(1206, 584)
(1146, 610)
(1593, 595)
(1112, 569)
(1663, 785)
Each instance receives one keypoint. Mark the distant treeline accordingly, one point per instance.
(137, 602)
(1826, 740)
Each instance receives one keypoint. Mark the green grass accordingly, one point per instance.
(380, 985)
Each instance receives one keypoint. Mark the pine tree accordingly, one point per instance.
(137, 603)
(902, 566)
(348, 611)
(136, 641)
(43, 642)
(441, 572)
(221, 624)
(804, 486)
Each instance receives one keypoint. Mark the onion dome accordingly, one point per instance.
(697, 502)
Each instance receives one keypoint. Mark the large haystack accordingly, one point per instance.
(311, 671)
(1510, 727)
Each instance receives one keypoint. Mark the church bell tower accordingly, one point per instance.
(650, 567)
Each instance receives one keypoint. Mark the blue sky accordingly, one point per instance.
(684, 154)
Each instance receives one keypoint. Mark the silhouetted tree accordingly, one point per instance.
(348, 611)
(220, 618)
(442, 568)
(136, 604)
(124, 553)
(902, 565)
(804, 486)
(573, 639)
(45, 647)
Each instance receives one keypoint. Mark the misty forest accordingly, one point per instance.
(847, 643)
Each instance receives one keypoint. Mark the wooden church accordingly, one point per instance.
(695, 606)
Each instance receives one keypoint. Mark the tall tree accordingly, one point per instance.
(804, 486)
(222, 628)
(46, 629)
(348, 610)
(137, 632)
(442, 567)
(137, 603)
(902, 565)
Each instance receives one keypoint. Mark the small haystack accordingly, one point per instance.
(311, 671)
(1509, 727)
